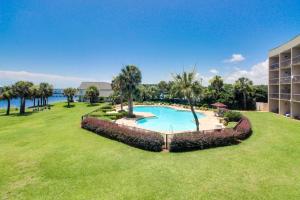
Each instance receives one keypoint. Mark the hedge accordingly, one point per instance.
(204, 140)
(233, 116)
(139, 138)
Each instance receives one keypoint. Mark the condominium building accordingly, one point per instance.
(284, 79)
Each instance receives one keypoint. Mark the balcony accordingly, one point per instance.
(285, 96)
(296, 97)
(285, 80)
(274, 66)
(274, 81)
(274, 95)
(296, 79)
(285, 63)
(296, 60)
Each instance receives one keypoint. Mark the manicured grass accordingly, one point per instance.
(47, 155)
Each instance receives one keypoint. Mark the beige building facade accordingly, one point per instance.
(284, 79)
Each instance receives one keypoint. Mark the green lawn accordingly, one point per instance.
(47, 155)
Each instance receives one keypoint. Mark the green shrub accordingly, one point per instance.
(106, 106)
(232, 116)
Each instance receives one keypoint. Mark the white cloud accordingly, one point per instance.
(58, 81)
(258, 73)
(213, 71)
(235, 58)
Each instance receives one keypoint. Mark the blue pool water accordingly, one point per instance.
(167, 119)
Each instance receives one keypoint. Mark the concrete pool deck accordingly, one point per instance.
(209, 122)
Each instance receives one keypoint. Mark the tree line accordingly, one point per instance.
(242, 94)
(27, 90)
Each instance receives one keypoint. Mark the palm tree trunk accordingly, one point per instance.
(8, 106)
(245, 100)
(121, 101)
(68, 102)
(22, 106)
(194, 114)
(38, 104)
(130, 107)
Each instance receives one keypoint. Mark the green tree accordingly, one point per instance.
(186, 85)
(35, 93)
(132, 78)
(92, 93)
(260, 93)
(70, 93)
(22, 90)
(163, 88)
(118, 86)
(7, 94)
(244, 86)
(216, 87)
(45, 90)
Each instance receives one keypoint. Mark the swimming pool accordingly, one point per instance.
(167, 119)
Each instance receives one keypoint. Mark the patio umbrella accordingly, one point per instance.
(219, 105)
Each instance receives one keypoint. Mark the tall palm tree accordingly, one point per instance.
(118, 86)
(132, 77)
(22, 90)
(46, 90)
(7, 94)
(245, 87)
(185, 84)
(70, 93)
(34, 90)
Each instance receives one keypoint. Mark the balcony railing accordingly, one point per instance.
(285, 63)
(274, 66)
(296, 60)
(296, 79)
(274, 81)
(274, 95)
(296, 97)
(285, 96)
(285, 80)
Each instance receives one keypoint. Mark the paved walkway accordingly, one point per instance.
(209, 122)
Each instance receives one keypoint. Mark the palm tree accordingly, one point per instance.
(92, 93)
(118, 87)
(70, 93)
(22, 90)
(245, 86)
(7, 94)
(185, 84)
(132, 77)
(34, 90)
(46, 90)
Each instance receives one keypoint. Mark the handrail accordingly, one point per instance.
(285, 60)
(296, 56)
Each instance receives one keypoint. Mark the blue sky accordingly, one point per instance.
(67, 41)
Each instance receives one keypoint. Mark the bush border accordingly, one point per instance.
(209, 139)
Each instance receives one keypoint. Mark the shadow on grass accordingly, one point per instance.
(71, 106)
(17, 114)
(93, 105)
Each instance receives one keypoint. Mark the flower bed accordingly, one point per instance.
(203, 140)
(147, 140)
